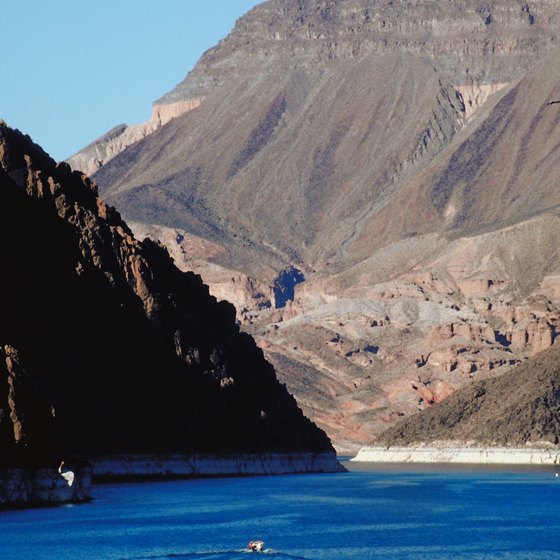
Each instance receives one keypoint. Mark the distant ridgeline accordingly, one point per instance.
(107, 348)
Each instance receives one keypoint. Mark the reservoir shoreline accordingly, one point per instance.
(468, 455)
(28, 487)
(119, 467)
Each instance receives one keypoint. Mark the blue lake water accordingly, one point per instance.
(379, 513)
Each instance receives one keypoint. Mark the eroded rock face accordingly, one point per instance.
(104, 149)
(190, 252)
(361, 353)
(457, 39)
(387, 155)
(105, 346)
(520, 408)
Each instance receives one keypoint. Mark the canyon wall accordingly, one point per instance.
(107, 348)
(404, 158)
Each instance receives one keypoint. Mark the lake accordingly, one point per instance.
(391, 512)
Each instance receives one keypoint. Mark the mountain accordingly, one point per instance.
(518, 408)
(308, 34)
(372, 184)
(107, 349)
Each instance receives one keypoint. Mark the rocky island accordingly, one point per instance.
(115, 363)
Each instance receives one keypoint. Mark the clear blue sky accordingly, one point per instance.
(72, 69)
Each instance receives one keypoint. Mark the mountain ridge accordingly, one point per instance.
(308, 30)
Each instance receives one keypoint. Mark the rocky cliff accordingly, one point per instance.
(403, 158)
(478, 46)
(471, 43)
(104, 149)
(106, 347)
(519, 408)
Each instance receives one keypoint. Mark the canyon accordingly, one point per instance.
(373, 185)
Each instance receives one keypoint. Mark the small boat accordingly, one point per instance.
(66, 474)
(256, 546)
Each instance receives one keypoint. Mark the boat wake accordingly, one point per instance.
(217, 554)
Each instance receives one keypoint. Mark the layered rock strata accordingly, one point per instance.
(471, 42)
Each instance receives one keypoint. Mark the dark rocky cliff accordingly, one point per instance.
(106, 347)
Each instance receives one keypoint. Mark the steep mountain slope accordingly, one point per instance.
(502, 171)
(107, 348)
(458, 38)
(520, 407)
(440, 308)
(313, 151)
(403, 158)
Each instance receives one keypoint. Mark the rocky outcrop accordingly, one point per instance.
(519, 408)
(190, 252)
(105, 148)
(474, 96)
(106, 347)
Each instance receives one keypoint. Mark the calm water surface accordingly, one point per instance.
(413, 513)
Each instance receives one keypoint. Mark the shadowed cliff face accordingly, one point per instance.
(106, 347)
